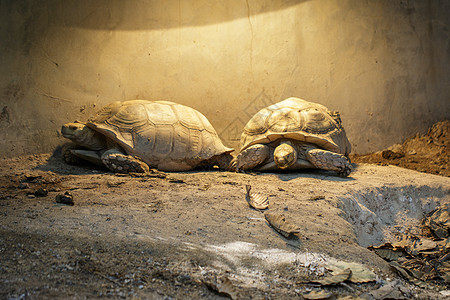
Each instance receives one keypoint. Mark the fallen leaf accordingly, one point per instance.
(336, 278)
(439, 222)
(388, 254)
(388, 291)
(223, 286)
(405, 274)
(226, 287)
(424, 245)
(279, 223)
(359, 274)
(255, 200)
(317, 295)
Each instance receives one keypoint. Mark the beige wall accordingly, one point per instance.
(385, 65)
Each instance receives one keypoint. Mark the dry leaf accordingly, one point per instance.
(405, 274)
(339, 277)
(424, 245)
(388, 254)
(359, 274)
(420, 259)
(439, 222)
(444, 271)
(223, 286)
(318, 295)
(226, 287)
(279, 223)
(255, 200)
(389, 291)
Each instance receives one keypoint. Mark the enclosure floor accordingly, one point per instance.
(177, 237)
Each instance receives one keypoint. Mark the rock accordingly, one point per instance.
(67, 198)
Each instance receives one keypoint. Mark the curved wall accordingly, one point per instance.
(385, 65)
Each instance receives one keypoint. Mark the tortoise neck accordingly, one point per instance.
(92, 139)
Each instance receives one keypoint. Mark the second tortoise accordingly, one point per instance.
(294, 134)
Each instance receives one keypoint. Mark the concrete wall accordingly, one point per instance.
(384, 64)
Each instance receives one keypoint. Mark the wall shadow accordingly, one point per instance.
(151, 14)
(313, 174)
(56, 165)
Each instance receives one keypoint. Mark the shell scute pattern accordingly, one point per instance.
(296, 119)
(159, 130)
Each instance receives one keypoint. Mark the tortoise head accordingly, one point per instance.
(285, 155)
(74, 131)
(82, 135)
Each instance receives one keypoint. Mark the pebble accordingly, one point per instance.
(41, 192)
(23, 186)
(67, 198)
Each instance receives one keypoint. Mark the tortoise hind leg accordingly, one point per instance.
(118, 162)
(252, 157)
(327, 160)
(224, 161)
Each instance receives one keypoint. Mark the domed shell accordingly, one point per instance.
(300, 120)
(160, 132)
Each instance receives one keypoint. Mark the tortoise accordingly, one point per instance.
(294, 134)
(136, 135)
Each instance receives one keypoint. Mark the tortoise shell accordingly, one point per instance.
(159, 132)
(299, 120)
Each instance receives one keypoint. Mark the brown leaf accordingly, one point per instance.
(335, 278)
(226, 287)
(405, 274)
(255, 200)
(360, 273)
(223, 286)
(438, 222)
(389, 291)
(318, 295)
(404, 244)
(279, 223)
(444, 271)
(424, 245)
(388, 254)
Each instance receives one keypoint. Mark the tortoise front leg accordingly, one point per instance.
(68, 156)
(327, 160)
(74, 154)
(252, 157)
(118, 162)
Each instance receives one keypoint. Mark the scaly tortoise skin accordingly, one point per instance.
(135, 135)
(294, 134)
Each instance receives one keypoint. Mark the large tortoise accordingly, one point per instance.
(294, 134)
(135, 135)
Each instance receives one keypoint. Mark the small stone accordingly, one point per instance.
(23, 186)
(41, 192)
(67, 198)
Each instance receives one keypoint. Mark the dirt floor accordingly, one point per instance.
(192, 235)
(429, 153)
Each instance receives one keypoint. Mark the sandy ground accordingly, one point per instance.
(192, 235)
(428, 153)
